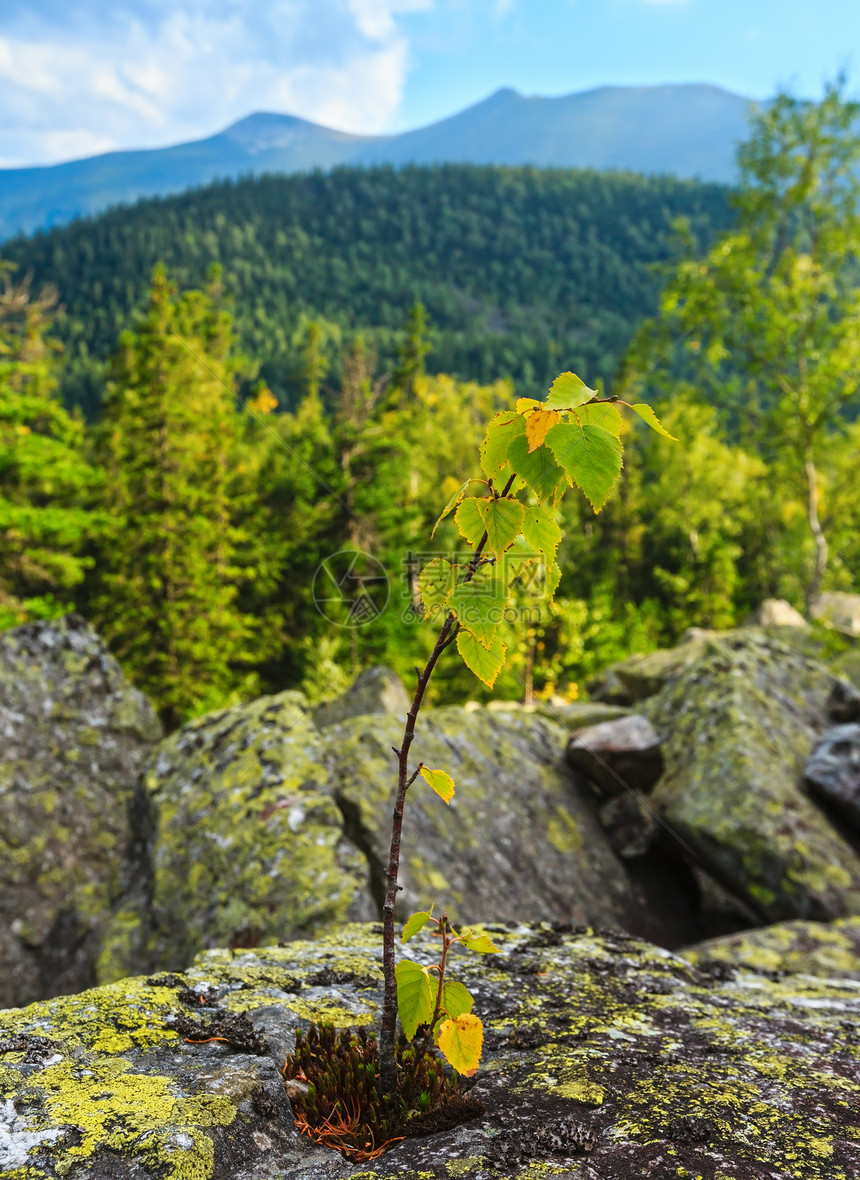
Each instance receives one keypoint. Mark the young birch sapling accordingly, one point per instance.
(530, 456)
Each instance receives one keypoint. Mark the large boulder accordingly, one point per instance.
(375, 690)
(603, 1057)
(642, 676)
(250, 843)
(740, 723)
(518, 841)
(830, 950)
(73, 820)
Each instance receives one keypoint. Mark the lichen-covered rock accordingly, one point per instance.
(830, 950)
(518, 840)
(250, 846)
(848, 665)
(618, 755)
(642, 676)
(604, 1058)
(376, 690)
(740, 724)
(73, 737)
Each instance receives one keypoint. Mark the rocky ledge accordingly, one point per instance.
(606, 1058)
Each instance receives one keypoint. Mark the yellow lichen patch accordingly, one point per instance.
(110, 1019)
(563, 832)
(117, 1109)
(464, 1167)
(328, 1012)
(581, 1090)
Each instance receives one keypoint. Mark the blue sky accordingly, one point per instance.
(79, 77)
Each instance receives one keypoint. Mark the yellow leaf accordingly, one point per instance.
(524, 404)
(537, 424)
(461, 1041)
(441, 783)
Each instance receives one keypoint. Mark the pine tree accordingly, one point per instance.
(413, 350)
(44, 478)
(169, 577)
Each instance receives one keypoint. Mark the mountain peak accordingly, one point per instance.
(690, 131)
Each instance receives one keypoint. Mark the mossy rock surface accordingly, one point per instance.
(73, 822)
(250, 846)
(739, 726)
(671, 1071)
(640, 677)
(518, 841)
(828, 949)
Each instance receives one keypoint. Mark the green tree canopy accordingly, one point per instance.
(45, 480)
(773, 311)
(169, 574)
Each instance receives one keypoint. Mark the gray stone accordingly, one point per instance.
(833, 771)
(844, 702)
(618, 755)
(776, 612)
(73, 819)
(630, 825)
(840, 611)
(376, 690)
(739, 724)
(603, 1057)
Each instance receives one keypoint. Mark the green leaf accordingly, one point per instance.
(452, 504)
(567, 392)
(590, 456)
(470, 520)
(606, 415)
(415, 923)
(553, 577)
(415, 1001)
(460, 1041)
(436, 581)
(503, 519)
(482, 944)
(647, 415)
(501, 432)
(542, 532)
(480, 604)
(456, 999)
(486, 663)
(441, 783)
(538, 468)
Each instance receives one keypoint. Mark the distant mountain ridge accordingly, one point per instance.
(687, 130)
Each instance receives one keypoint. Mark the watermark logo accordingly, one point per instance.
(351, 588)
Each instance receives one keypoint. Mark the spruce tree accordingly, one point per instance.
(169, 575)
(45, 480)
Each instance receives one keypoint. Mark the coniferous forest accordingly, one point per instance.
(204, 400)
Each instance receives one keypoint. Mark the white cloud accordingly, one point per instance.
(75, 80)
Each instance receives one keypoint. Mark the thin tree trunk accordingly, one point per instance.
(387, 1056)
(817, 531)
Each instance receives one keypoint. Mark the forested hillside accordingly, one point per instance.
(522, 271)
